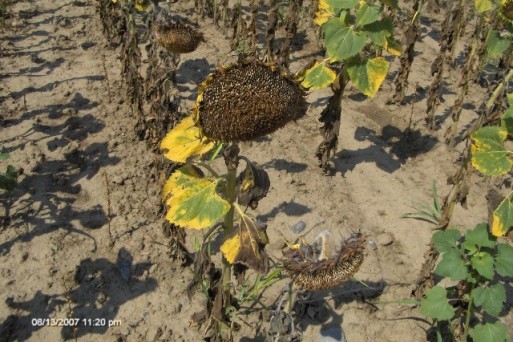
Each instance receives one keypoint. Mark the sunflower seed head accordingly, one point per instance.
(248, 100)
(177, 37)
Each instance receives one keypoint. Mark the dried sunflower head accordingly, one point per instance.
(248, 100)
(177, 37)
(311, 268)
(506, 10)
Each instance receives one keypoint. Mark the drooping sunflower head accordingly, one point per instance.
(248, 100)
(177, 37)
(314, 269)
(506, 10)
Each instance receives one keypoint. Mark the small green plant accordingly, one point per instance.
(251, 292)
(476, 261)
(431, 214)
(8, 178)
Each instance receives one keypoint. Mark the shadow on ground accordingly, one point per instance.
(389, 150)
(98, 289)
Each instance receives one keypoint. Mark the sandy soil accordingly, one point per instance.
(82, 236)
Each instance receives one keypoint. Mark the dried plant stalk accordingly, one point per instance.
(291, 23)
(272, 26)
(437, 70)
(113, 21)
(131, 61)
(412, 34)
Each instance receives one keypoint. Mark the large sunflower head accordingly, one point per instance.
(177, 37)
(506, 10)
(248, 100)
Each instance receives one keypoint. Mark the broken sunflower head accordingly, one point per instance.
(321, 267)
(248, 100)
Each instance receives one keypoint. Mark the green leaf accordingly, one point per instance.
(437, 207)
(507, 120)
(502, 218)
(367, 14)
(436, 305)
(483, 5)
(342, 42)
(378, 31)
(488, 153)
(192, 200)
(4, 156)
(452, 266)
(490, 299)
(446, 240)
(8, 179)
(480, 237)
(367, 74)
(342, 4)
(333, 26)
(495, 45)
(318, 76)
(504, 260)
(482, 262)
(496, 332)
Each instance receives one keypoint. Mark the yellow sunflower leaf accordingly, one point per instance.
(318, 76)
(483, 5)
(392, 46)
(192, 200)
(502, 218)
(185, 141)
(142, 5)
(246, 245)
(367, 74)
(324, 12)
(489, 156)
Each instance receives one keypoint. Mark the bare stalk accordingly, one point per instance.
(489, 106)
(291, 24)
(466, 75)
(272, 26)
(406, 59)
(330, 116)
(437, 70)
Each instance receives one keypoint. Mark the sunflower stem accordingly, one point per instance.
(330, 116)
(231, 154)
(467, 318)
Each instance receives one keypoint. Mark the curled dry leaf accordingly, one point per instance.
(246, 245)
(252, 185)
